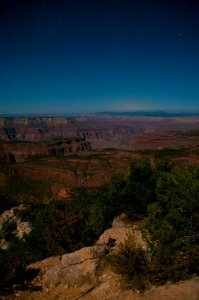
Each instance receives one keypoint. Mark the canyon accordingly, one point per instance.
(45, 159)
(22, 137)
(87, 151)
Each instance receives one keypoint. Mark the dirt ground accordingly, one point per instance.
(110, 289)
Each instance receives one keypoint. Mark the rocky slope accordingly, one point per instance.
(84, 275)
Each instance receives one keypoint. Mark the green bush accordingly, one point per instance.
(140, 186)
(168, 265)
(132, 263)
(6, 201)
(167, 196)
(9, 230)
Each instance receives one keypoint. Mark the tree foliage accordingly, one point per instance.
(165, 195)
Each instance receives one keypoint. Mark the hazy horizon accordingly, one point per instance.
(130, 113)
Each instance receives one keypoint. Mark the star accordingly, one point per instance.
(180, 36)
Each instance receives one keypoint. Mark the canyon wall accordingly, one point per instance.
(40, 128)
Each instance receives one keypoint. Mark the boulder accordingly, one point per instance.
(80, 266)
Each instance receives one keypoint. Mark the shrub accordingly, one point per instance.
(9, 229)
(131, 262)
(140, 185)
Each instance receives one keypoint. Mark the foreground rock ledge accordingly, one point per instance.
(75, 275)
(80, 267)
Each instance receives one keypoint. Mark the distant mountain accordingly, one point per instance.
(150, 113)
(110, 113)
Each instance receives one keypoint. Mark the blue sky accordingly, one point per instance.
(103, 55)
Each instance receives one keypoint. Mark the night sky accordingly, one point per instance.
(98, 55)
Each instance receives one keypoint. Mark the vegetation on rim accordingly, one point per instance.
(166, 196)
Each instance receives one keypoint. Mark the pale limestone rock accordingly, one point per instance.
(21, 228)
(122, 227)
(80, 267)
(122, 221)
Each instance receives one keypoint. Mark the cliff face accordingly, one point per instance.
(73, 134)
(110, 134)
(98, 129)
(67, 146)
(33, 129)
(40, 128)
(16, 151)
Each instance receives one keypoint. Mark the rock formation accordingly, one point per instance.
(55, 136)
(82, 274)
(15, 151)
(80, 267)
(21, 227)
(67, 146)
(90, 129)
